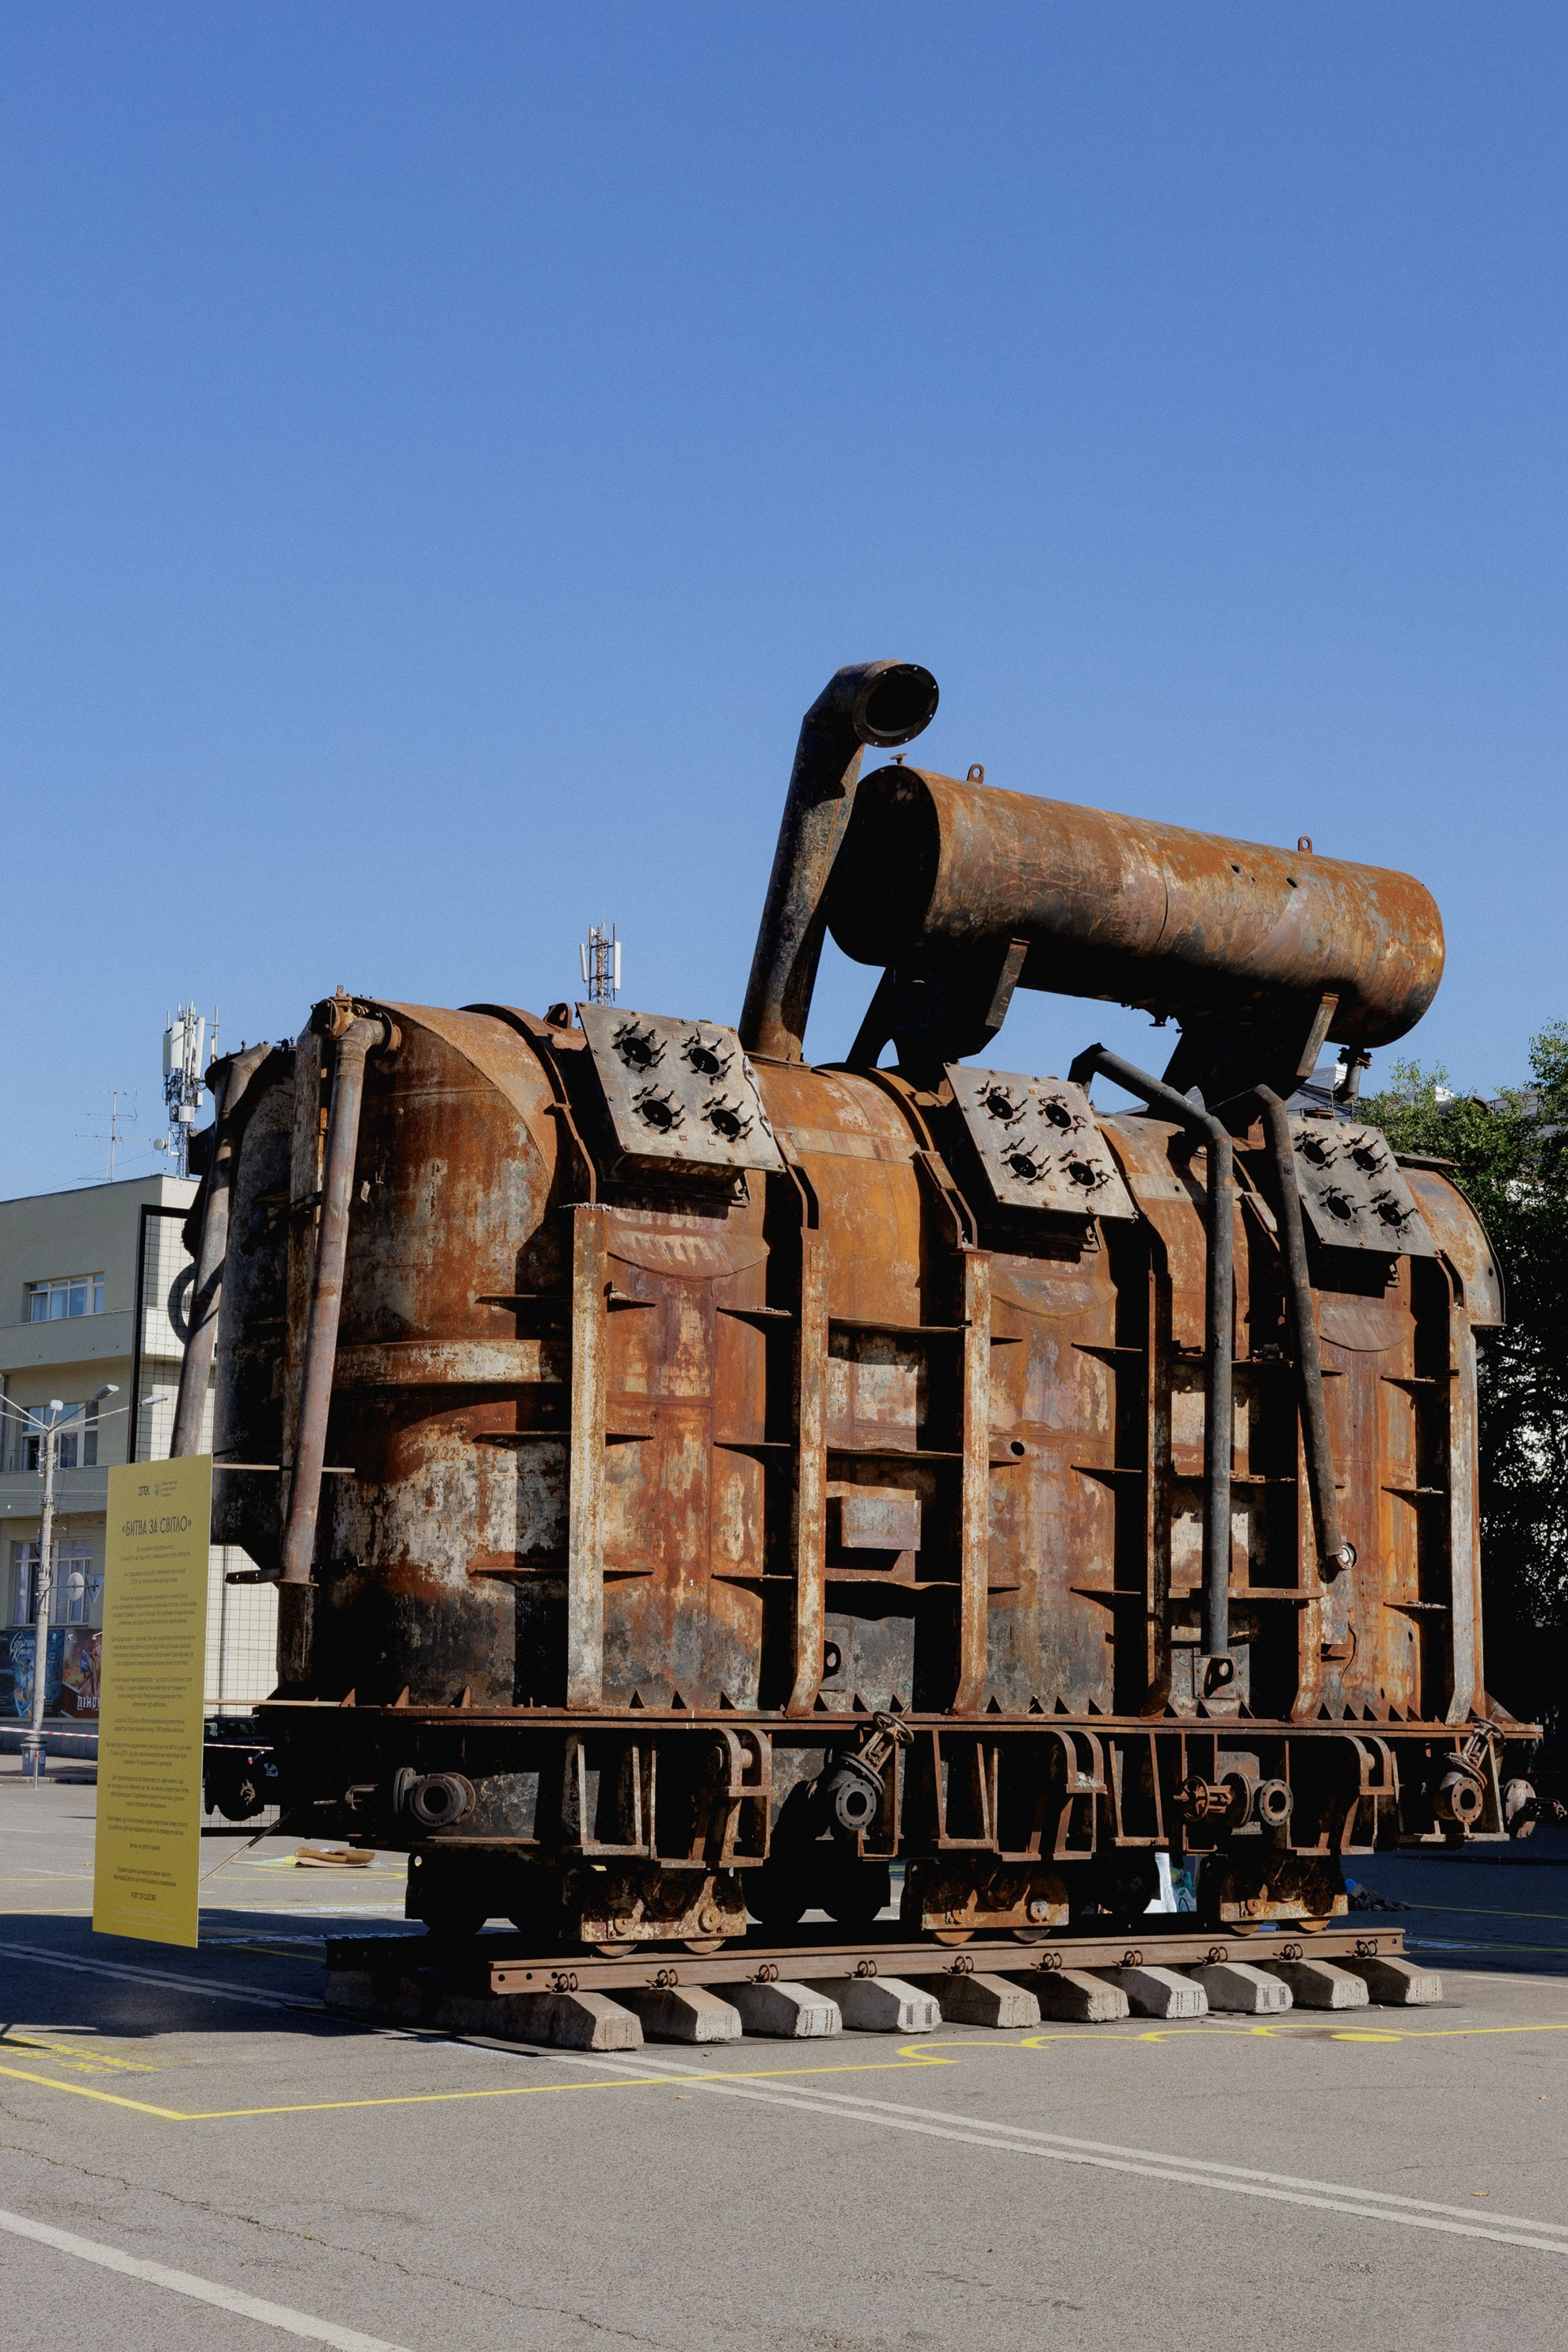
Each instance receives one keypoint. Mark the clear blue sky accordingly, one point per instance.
(445, 447)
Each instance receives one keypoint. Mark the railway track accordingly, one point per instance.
(881, 1981)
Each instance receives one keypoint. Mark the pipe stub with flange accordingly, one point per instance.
(435, 1800)
(851, 1794)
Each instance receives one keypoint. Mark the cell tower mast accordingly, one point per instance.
(184, 1040)
(600, 957)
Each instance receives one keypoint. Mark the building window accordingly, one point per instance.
(68, 1293)
(78, 1586)
(76, 1439)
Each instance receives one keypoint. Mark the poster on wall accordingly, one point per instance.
(147, 1859)
(70, 1668)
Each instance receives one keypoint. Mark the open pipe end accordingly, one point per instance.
(895, 702)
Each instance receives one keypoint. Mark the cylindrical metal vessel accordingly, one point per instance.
(635, 1479)
(1134, 912)
(705, 1480)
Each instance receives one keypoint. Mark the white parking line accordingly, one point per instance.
(226, 2298)
(1149, 2164)
(213, 1989)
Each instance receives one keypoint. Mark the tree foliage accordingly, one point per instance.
(1511, 1157)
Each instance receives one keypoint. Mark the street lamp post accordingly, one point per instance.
(49, 1424)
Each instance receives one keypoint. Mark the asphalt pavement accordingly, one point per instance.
(193, 2152)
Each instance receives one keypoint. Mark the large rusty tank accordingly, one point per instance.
(706, 1479)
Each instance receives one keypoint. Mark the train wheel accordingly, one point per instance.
(455, 1926)
(855, 1894)
(954, 1935)
(614, 1952)
(702, 1945)
(776, 1895)
(1030, 1935)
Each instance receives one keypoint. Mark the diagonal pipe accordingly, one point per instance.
(355, 1039)
(1219, 1339)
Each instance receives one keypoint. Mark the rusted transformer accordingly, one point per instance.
(708, 1479)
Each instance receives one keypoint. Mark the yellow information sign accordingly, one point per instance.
(146, 1863)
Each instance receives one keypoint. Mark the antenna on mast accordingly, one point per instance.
(119, 1120)
(600, 957)
(184, 1042)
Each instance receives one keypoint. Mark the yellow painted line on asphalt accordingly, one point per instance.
(70, 2054)
(909, 2057)
(898, 2065)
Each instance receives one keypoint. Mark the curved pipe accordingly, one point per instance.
(1333, 1552)
(883, 703)
(356, 1038)
(212, 1245)
(1219, 1340)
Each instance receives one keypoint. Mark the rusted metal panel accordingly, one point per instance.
(1352, 1190)
(1467, 1694)
(1038, 1143)
(679, 1095)
(809, 1529)
(1463, 1240)
(974, 1496)
(585, 1529)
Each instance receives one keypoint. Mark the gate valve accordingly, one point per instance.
(852, 1791)
(1458, 1797)
(1206, 1800)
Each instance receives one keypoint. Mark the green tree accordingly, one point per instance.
(1511, 1157)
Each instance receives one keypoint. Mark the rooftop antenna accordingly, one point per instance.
(184, 1040)
(600, 958)
(119, 1120)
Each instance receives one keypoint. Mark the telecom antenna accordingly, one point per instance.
(601, 960)
(184, 1040)
(119, 1120)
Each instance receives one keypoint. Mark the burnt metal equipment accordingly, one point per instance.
(698, 1481)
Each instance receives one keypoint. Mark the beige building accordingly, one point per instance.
(93, 1289)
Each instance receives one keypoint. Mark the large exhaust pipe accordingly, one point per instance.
(882, 703)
